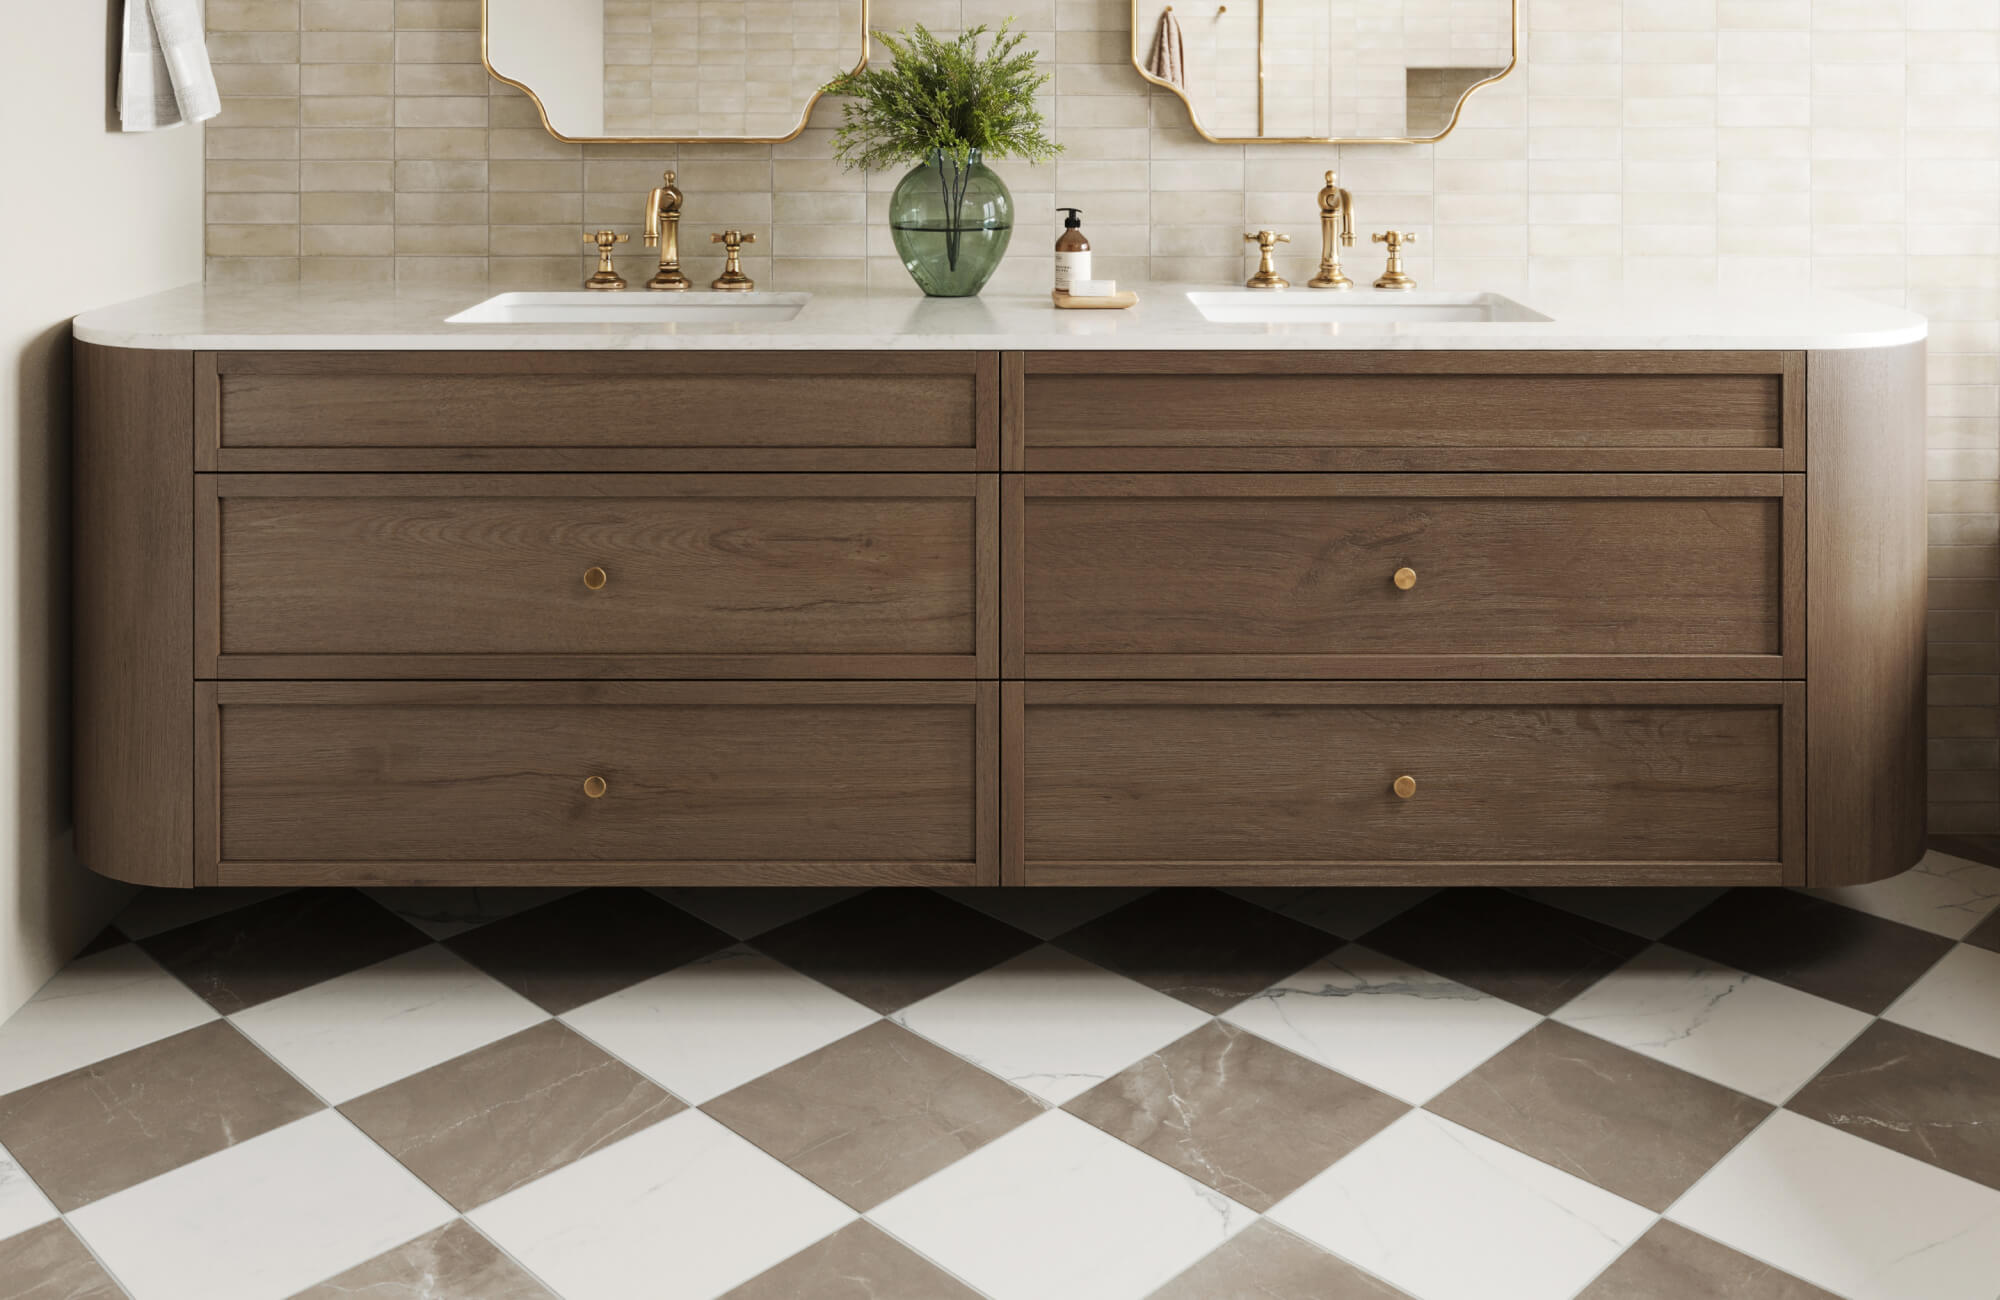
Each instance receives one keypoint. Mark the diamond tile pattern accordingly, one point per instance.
(1274, 1094)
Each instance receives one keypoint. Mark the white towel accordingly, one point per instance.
(1169, 61)
(164, 77)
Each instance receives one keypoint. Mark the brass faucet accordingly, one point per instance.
(663, 228)
(732, 279)
(1392, 275)
(607, 279)
(1267, 276)
(1336, 228)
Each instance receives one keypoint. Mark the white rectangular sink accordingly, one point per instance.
(1299, 306)
(635, 306)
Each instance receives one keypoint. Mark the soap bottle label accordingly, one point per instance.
(1071, 267)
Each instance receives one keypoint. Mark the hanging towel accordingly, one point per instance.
(1169, 55)
(164, 77)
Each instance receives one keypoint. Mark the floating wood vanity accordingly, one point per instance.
(1056, 613)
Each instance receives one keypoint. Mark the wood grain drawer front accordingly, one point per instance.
(1522, 781)
(408, 782)
(1571, 575)
(597, 410)
(1439, 411)
(764, 575)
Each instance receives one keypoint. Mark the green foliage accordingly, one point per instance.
(943, 96)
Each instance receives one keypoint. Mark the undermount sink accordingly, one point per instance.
(1359, 307)
(632, 307)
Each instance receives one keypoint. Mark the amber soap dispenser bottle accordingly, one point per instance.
(1072, 252)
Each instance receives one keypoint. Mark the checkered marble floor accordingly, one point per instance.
(912, 1095)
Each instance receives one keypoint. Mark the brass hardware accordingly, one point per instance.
(1405, 579)
(1336, 228)
(595, 578)
(593, 787)
(732, 279)
(1405, 786)
(607, 279)
(663, 228)
(1267, 276)
(1392, 276)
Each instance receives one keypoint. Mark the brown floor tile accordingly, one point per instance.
(1207, 948)
(1915, 1094)
(587, 944)
(873, 1113)
(1624, 1121)
(1529, 953)
(454, 1261)
(1206, 1103)
(889, 947)
(487, 1122)
(100, 1129)
(1845, 956)
(1986, 934)
(1671, 1263)
(49, 1263)
(1264, 1262)
(108, 937)
(281, 945)
(860, 1262)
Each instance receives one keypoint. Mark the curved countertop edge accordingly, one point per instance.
(232, 317)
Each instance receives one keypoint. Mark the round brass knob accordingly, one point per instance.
(1405, 579)
(593, 787)
(1405, 787)
(595, 578)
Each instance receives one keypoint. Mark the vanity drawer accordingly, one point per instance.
(1296, 575)
(572, 575)
(1412, 410)
(596, 410)
(490, 783)
(1515, 782)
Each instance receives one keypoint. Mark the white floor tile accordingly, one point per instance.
(1958, 999)
(1349, 912)
(1751, 1034)
(1044, 913)
(1848, 1215)
(1447, 1214)
(107, 1003)
(262, 1219)
(702, 1029)
(682, 1210)
(1646, 911)
(442, 913)
(1942, 894)
(155, 911)
(373, 1026)
(1059, 1210)
(1406, 1031)
(1052, 1024)
(22, 1205)
(748, 912)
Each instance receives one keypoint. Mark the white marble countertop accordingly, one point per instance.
(346, 317)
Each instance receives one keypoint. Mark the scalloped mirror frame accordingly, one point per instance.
(805, 113)
(1194, 116)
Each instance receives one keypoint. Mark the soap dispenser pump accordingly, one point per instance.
(1072, 252)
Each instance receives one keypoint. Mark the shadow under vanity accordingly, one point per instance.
(810, 603)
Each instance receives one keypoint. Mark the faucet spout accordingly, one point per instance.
(663, 227)
(1336, 230)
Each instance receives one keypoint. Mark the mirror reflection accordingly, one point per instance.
(1323, 69)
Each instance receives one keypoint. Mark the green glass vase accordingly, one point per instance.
(951, 222)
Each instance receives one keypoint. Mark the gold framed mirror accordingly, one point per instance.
(1325, 71)
(673, 71)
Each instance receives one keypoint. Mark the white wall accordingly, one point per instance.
(88, 216)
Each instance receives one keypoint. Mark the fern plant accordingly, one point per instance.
(943, 97)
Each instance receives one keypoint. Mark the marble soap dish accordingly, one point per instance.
(1107, 302)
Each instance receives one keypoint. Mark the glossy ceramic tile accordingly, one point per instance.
(1058, 1207)
(1942, 894)
(98, 1006)
(888, 948)
(442, 913)
(49, 1263)
(860, 1262)
(1528, 953)
(1205, 947)
(1265, 1262)
(1672, 1263)
(22, 1204)
(1345, 913)
(452, 1263)
(1957, 999)
(747, 912)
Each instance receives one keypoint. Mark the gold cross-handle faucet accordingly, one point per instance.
(607, 279)
(1392, 275)
(732, 279)
(1267, 276)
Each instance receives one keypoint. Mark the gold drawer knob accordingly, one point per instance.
(595, 578)
(1405, 579)
(1405, 787)
(593, 787)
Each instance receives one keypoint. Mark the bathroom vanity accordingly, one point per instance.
(981, 593)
